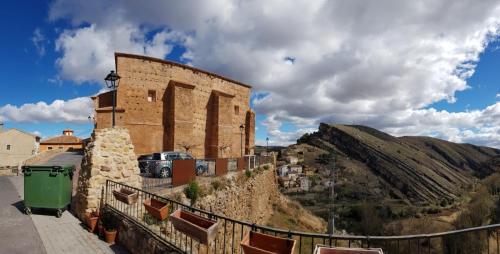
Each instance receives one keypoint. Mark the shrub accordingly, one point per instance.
(371, 222)
(248, 173)
(219, 184)
(477, 213)
(108, 222)
(216, 184)
(266, 167)
(192, 191)
(149, 219)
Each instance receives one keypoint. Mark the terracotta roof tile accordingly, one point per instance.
(62, 140)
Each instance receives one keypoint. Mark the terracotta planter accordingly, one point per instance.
(126, 196)
(156, 208)
(340, 250)
(91, 219)
(258, 243)
(110, 236)
(199, 228)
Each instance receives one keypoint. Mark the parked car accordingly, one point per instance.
(161, 165)
(144, 162)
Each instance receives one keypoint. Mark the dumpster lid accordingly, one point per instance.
(47, 167)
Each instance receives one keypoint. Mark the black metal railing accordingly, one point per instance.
(150, 181)
(484, 239)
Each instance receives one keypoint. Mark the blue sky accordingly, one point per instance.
(400, 77)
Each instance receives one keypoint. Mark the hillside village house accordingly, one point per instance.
(167, 106)
(16, 146)
(65, 142)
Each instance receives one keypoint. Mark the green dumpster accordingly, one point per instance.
(47, 187)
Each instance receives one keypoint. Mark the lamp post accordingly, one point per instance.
(112, 80)
(241, 138)
(267, 145)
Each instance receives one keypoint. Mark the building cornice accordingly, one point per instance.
(148, 58)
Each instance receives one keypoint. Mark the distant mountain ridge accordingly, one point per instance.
(417, 169)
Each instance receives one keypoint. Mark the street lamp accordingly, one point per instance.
(112, 80)
(267, 145)
(241, 138)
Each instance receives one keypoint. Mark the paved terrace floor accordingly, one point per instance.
(42, 232)
(17, 231)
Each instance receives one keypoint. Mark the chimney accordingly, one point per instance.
(68, 132)
(1, 126)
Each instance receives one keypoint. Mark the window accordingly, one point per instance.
(236, 110)
(151, 95)
(185, 156)
(50, 148)
(157, 156)
(8, 147)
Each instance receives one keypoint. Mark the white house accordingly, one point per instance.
(305, 183)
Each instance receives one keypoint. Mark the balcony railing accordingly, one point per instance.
(484, 239)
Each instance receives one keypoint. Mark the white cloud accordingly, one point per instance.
(75, 110)
(39, 41)
(88, 52)
(374, 62)
(498, 95)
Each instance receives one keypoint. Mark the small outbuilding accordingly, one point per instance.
(65, 142)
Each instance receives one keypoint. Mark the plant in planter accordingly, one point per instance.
(91, 219)
(110, 226)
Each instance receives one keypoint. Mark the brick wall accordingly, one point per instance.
(166, 106)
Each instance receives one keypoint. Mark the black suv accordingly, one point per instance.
(145, 162)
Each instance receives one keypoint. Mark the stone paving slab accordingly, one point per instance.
(17, 231)
(65, 234)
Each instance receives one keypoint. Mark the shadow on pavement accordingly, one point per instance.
(19, 205)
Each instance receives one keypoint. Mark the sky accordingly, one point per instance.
(405, 67)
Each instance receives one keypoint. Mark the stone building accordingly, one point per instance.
(167, 106)
(65, 142)
(16, 146)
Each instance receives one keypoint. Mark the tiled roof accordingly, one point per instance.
(62, 140)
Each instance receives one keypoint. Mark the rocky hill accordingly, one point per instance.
(417, 170)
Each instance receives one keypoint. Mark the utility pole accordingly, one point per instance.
(331, 216)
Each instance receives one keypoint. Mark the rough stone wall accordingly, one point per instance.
(245, 199)
(109, 155)
(147, 120)
(137, 240)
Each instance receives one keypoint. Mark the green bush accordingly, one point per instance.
(248, 173)
(266, 167)
(149, 219)
(192, 191)
(108, 222)
(478, 213)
